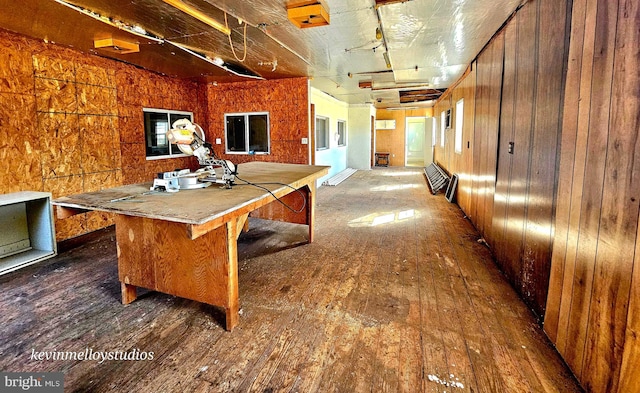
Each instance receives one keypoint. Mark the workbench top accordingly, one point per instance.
(198, 206)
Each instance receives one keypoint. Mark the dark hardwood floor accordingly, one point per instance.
(395, 294)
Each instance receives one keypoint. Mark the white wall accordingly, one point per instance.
(335, 156)
(359, 136)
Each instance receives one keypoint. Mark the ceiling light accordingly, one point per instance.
(114, 45)
(308, 13)
(386, 59)
(199, 15)
(218, 61)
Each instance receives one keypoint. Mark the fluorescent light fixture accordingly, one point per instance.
(202, 17)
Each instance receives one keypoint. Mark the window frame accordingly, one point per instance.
(442, 127)
(168, 112)
(247, 133)
(459, 123)
(344, 133)
(326, 132)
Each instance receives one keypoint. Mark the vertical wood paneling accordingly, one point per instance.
(543, 152)
(520, 84)
(626, 100)
(572, 162)
(527, 39)
(486, 132)
(592, 193)
(619, 215)
(593, 307)
(503, 175)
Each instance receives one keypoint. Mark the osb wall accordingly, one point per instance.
(286, 101)
(393, 141)
(72, 123)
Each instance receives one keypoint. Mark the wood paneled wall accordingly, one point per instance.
(459, 163)
(517, 85)
(286, 100)
(561, 214)
(594, 303)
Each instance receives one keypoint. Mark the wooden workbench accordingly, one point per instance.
(185, 243)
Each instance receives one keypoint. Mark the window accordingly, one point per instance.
(156, 124)
(322, 133)
(434, 133)
(459, 119)
(342, 133)
(247, 133)
(443, 126)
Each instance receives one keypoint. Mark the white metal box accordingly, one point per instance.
(27, 233)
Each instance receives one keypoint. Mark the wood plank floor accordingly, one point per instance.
(395, 295)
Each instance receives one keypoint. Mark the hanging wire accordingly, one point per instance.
(226, 23)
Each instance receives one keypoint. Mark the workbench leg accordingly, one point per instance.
(129, 293)
(311, 209)
(233, 304)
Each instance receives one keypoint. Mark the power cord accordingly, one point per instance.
(259, 185)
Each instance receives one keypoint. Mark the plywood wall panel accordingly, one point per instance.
(99, 144)
(97, 220)
(71, 227)
(60, 144)
(101, 180)
(53, 65)
(19, 155)
(286, 101)
(96, 100)
(95, 75)
(53, 95)
(16, 71)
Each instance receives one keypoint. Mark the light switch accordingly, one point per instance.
(305, 141)
(218, 141)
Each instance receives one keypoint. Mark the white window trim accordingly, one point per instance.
(327, 133)
(459, 124)
(246, 133)
(168, 112)
(442, 127)
(338, 133)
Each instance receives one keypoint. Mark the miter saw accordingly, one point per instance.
(189, 138)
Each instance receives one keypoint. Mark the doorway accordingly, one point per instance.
(417, 143)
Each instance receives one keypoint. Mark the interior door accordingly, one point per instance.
(415, 142)
(429, 139)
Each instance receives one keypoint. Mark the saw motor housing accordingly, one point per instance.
(189, 138)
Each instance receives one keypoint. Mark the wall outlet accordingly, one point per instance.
(218, 141)
(305, 141)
